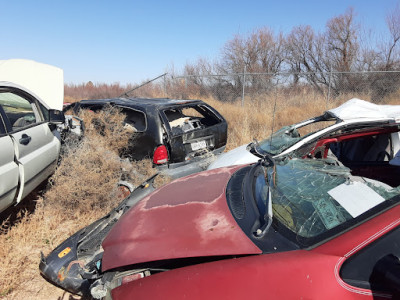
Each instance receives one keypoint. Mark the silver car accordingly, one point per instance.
(31, 96)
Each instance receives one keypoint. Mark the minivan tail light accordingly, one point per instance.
(160, 155)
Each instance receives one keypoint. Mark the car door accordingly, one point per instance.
(35, 145)
(8, 169)
(364, 268)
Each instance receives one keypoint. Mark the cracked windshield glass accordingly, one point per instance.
(289, 135)
(311, 197)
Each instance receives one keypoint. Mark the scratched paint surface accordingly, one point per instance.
(187, 218)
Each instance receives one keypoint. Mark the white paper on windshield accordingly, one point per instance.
(355, 197)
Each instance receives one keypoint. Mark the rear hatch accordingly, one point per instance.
(192, 130)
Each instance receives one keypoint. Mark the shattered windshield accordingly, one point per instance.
(280, 140)
(311, 197)
(289, 135)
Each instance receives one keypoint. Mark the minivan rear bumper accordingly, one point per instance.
(196, 164)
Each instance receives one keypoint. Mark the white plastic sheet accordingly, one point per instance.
(355, 197)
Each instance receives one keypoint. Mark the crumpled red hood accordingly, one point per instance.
(186, 218)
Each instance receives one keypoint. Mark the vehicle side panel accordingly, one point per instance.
(362, 234)
(39, 154)
(144, 143)
(8, 172)
(296, 274)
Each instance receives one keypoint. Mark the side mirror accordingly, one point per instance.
(386, 274)
(56, 116)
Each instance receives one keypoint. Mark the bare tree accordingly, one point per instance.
(383, 84)
(260, 52)
(320, 59)
(314, 55)
(198, 80)
(342, 45)
(306, 56)
(392, 53)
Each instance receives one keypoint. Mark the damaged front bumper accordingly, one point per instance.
(76, 263)
(63, 269)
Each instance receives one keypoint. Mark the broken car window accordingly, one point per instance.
(185, 119)
(289, 135)
(311, 197)
(135, 118)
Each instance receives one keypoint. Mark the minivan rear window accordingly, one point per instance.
(188, 118)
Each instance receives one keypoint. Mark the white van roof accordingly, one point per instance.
(44, 81)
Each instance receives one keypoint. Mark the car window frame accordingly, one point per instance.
(35, 107)
(139, 111)
(370, 254)
(207, 108)
(211, 109)
(331, 130)
(3, 131)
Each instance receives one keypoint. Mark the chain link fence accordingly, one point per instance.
(373, 86)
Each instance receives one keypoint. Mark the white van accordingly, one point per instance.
(31, 97)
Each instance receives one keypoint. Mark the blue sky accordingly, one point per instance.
(131, 41)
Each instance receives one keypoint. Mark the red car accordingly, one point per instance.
(298, 227)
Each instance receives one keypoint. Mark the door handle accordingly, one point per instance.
(25, 139)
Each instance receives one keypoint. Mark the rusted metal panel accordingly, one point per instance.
(158, 225)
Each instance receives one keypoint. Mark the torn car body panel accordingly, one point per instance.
(9, 172)
(183, 216)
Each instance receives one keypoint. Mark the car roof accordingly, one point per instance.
(356, 109)
(143, 102)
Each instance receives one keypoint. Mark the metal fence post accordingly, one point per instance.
(165, 86)
(244, 79)
(329, 87)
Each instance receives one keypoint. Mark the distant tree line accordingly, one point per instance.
(340, 57)
(343, 59)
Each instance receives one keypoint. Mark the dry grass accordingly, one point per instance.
(255, 119)
(84, 186)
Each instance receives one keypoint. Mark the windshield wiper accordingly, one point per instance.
(254, 148)
(267, 213)
(260, 232)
